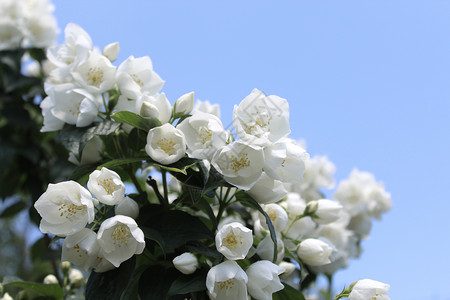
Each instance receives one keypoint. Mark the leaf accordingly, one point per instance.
(175, 227)
(13, 209)
(155, 282)
(37, 53)
(246, 200)
(288, 293)
(154, 235)
(82, 171)
(188, 283)
(110, 285)
(180, 166)
(75, 138)
(49, 290)
(135, 120)
(131, 291)
(121, 161)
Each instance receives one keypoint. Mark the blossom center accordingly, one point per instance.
(228, 284)
(70, 210)
(272, 215)
(108, 185)
(80, 252)
(240, 162)
(167, 145)
(137, 79)
(95, 76)
(205, 135)
(232, 240)
(121, 235)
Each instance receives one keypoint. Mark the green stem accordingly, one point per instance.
(165, 187)
(330, 287)
(293, 221)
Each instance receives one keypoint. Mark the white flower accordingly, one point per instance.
(277, 215)
(267, 190)
(261, 119)
(204, 135)
(96, 74)
(234, 240)
(6, 296)
(165, 144)
(81, 249)
(127, 207)
(240, 164)
(135, 77)
(379, 201)
(184, 105)
(68, 55)
(288, 267)
(295, 206)
(285, 161)
(369, 289)
(111, 51)
(120, 238)
(51, 123)
(10, 35)
(350, 194)
(186, 263)
(65, 208)
(325, 212)
(361, 224)
(319, 173)
(265, 249)
(263, 279)
(71, 105)
(206, 107)
(102, 264)
(41, 31)
(314, 252)
(50, 279)
(106, 186)
(76, 278)
(227, 281)
(156, 106)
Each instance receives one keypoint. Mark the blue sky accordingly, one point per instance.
(368, 84)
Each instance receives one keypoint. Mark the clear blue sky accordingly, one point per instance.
(368, 83)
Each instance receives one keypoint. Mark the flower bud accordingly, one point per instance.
(186, 263)
(184, 105)
(311, 208)
(65, 267)
(111, 51)
(327, 211)
(263, 279)
(50, 279)
(76, 278)
(6, 296)
(369, 289)
(149, 110)
(314, 252)
(288, 267)
(127, 207)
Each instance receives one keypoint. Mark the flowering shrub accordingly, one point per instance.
(166, 202)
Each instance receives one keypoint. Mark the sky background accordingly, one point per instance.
(368, 84)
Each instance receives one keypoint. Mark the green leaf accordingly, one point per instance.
(175, 227)
(155, 282)
(75, 138)
(121, 161)
(131, 291)
(82, 171)
(154, 235)
(135, 120)
(13, 209)
(288, 293)
(110, 285)
(49, 290)
(37, 54)
(188, 283)
(246, 200)
(179, 167)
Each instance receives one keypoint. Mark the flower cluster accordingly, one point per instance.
(67, 207)
(27, 23)
(254, 198)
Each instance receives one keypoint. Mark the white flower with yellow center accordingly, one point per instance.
(165, 144)
(240, 164)
(135, 77)
(285, 161)
(204, 135)
(106, 186)
(96, 74)
(369, 289)
(277, 215)
(65, 208)
(81, 249)
(120, 238)
(227, 281)
(263, 279)
(260, 119)
(234, 240)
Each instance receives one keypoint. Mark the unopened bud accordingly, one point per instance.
(184, 105)
(50, 279)
(288, 267)
(111, 51)
(65, 267)
(127, 207)
(76, 278)
(186, 263)
(311, 208)
(6, 296)
(149, 110)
